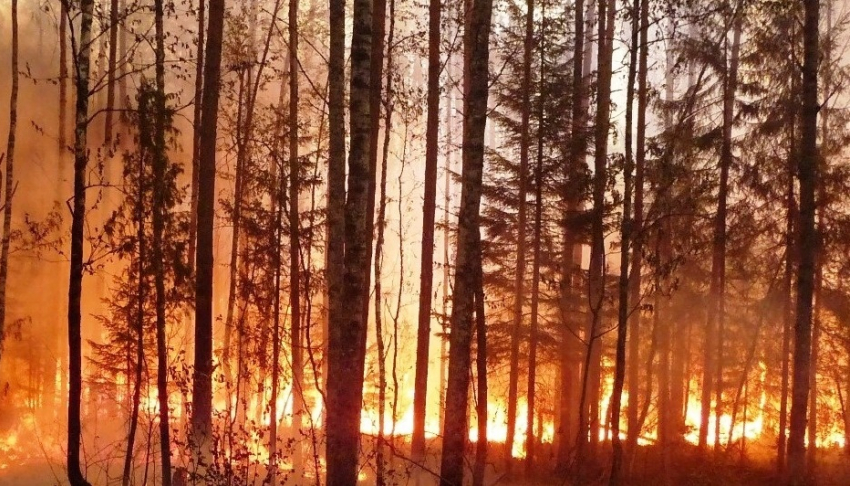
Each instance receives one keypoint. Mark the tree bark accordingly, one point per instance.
(160, 208)
(82, 58)
(336, 169)
(787, 292)
(807, 172)
(202, 380)
(476, 38)
(633, 361)
(426, 271)
(9, 189)
(297, 350)
(196, 132)
(482, 444)
(111, 71)
(347, 345)
(589, 411)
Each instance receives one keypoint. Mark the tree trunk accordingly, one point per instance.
(111, 71)
(481, 445)
(633, 361)
(295, 226)
(808, 177)
(160, 208)
(625, 243)
(202, 380)
(728, 119)
(82, 58)
(535, 293)
(196, 132)
(787, 292)
(347, 346)
(426, 272)
(140, 327)
(569, 343)
(9, 189)
(476, 38)
(336, 170)
(519, 281)
(381, 466)
(276, 258)
(811, 450)
(590, 420)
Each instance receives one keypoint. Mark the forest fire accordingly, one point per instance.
(292, 242)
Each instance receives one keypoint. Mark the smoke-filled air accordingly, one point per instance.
(424, 242)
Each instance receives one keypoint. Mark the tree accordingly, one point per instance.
(476, 39)
(807, 174)
(160, 208)
(577, 153)
(347, 339)
(426, 272)
(111, 70)
(713, 352)
(519, 280)
(9, 189)
(633, 358)
(623, 309)
(294, 223)
(589, 411)
(196, 129)
(202, 381)
(82, 57)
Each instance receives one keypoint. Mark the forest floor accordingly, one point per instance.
(687, 468)
(690, 468)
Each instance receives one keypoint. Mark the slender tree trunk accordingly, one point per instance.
(276, 258)
(808, 176)
(535, 294)
(347, 346)
(9, 189)
(787, 310)
(713, 351)
(819, 260)
(202, 381)
(63, 82)
(82, 58)
(578, 145)
(633, 361)
(625, 244)
(476, 39)
(380, 475)
(589, 411)
(442, 359)
(426, 272)
(519, 280)
(159, 214)
(61, 194)
(242, 140)
(812, 429)
(112, 71)
(728, 120)
(140, 327)
(481, 445)
(297, 350)
(196, 132)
